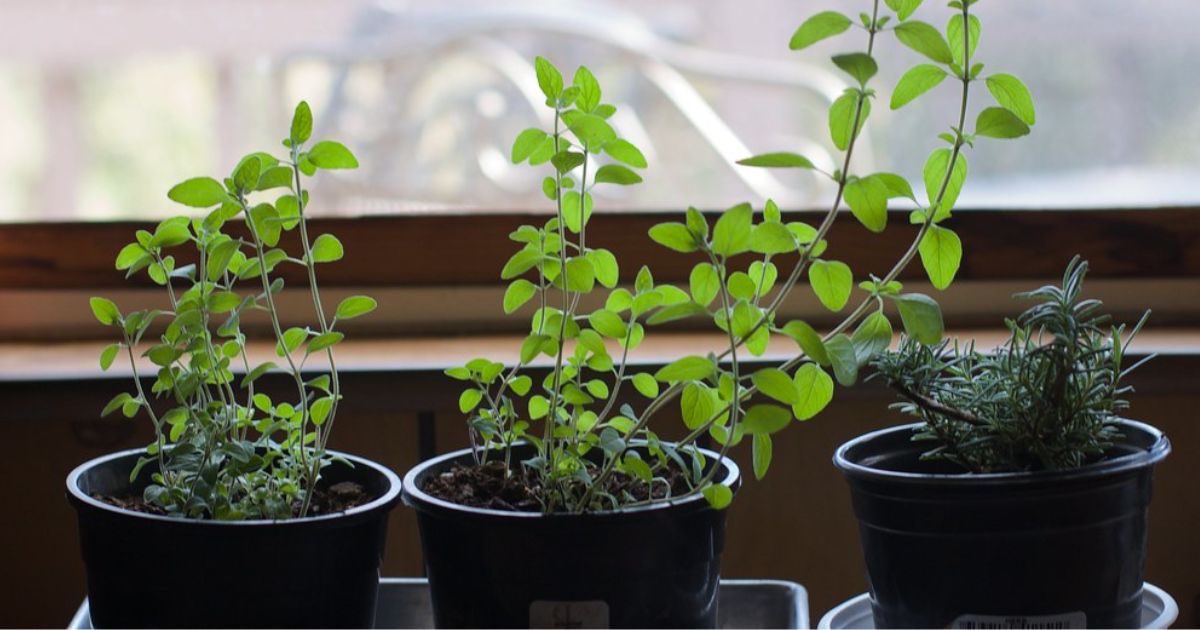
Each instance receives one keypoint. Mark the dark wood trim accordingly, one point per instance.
(457, 249)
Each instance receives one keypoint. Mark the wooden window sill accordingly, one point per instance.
(78, 360)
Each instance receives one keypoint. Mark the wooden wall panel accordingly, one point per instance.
(796, 524)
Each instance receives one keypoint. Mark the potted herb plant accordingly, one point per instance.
(569, 506)
(1021, 496)
(237, 514)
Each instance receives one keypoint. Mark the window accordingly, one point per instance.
(112, 103)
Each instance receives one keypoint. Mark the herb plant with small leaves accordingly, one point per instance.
(1048, 399)
(223, 450)
(584, 440)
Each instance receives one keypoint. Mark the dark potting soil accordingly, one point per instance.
(488, 487)
(336, 498)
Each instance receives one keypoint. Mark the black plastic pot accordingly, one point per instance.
(654, 566)
(145, 570)
(947, 549)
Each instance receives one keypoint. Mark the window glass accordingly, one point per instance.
(103, 106)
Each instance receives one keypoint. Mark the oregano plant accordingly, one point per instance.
(592, 455)
(222, 449)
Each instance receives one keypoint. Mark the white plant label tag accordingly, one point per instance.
(1064, 621)
(585, 614)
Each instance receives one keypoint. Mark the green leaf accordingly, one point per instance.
(832, 282)
(549, 79)
(718, 496)
(323, 341)
(843, 359)
(565, 161)
(697, 223)
(302, 122)
(581, 277)
(903, 8)
(274, 177)
(997, 122)
(704, 283)
(897, 186)
(289, 211)
(1012, 95)
(777, 384)
(941, 255)
(731, 234)
(220, 257)
(292, 338)
(592, 131)
(779, 159)
(772, 238)
(318, 413)
(170, 233)
(538, 407)
(257, 372)
(696, 405)
(589, 90)
(198, 192)
(761, 454)
(608, 323)
(533, 345)
(108, 355)
(245, 176)
(327, 248)
(469, 400)
(767, 419)
(522, 261)
(116, 403)
(814, 391)
(818, 27)
(763, 276)
(616, 174)
(922, 317)
(525, 144)
(674, 236)
(689, 368)
(624, 151)
(645, 384)
(858, 65)
(841, 118)
(935, 173)
(867, 198)
(605, 265)
(328, 154)
(517, 294)
(808, 340)
(355, 306)
(871, 337)
(925, 39)
(105, 310)
(521, 384)
(130, 255)
(917, 81)
(673, 312)
(266, 227)
(954, 34)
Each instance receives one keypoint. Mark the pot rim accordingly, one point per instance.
(844, 460)
(418, 499)
(385, 501)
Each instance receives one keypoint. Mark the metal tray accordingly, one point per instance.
(1159, 610)
(404, 603)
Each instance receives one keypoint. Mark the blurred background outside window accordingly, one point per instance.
(104, 105)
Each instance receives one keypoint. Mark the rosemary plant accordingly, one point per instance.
(588, 447)
(221, 449)
(1048, 399)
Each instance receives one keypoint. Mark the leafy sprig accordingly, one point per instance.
(1048, 399)
(716, 396)
(222, 450)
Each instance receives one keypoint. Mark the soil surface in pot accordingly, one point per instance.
(336, 498)
(487, 487)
